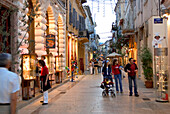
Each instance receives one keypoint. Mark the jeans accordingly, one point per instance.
(45, 96)
(130, 78)
(118, 77)
(99, 69)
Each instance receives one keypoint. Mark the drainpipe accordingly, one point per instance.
(159, 12)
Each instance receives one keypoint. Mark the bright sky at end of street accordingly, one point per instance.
(103, 14)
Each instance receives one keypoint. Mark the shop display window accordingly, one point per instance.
(161, 73)
(29, 66)
(58, 62)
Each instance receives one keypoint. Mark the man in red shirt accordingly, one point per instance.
(131, 68)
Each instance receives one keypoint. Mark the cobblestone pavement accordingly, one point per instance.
(85, 97)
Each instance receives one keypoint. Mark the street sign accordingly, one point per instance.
(50, 41)
(158, 20)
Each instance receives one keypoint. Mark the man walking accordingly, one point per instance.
(99, 65)
(9, 86)
(131, 68)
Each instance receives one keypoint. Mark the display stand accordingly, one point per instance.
(28, 75)
(161, 74)
(59, 70)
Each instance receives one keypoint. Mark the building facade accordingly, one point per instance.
(76, 36)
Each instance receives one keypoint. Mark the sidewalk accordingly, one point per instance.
(53, 92)
(84, 96)
(149, 96)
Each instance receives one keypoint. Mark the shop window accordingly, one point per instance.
(70, 13)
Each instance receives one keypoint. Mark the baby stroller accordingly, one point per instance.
(108, 87)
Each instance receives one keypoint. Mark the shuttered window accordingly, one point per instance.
(73, 17)
(70, 14)
(79, 23)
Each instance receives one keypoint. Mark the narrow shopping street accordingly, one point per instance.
(84, 97)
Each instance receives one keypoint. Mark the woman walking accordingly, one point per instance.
(117, 75)
(106, 71)
(45, 81)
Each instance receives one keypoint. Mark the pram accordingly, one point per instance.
(108, 87)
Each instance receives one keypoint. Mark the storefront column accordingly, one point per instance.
(168, 37)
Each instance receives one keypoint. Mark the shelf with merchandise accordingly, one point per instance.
(28, 65)
(161, 74)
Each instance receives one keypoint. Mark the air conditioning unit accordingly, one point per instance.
(82, 33)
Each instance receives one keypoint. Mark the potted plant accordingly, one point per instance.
(146, 59)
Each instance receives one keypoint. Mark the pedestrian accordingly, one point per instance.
(91, 67)
(99, 65)
(117, 75)
(106, 71)
(131, 68)
(9, 86)
(45, 81)
(96, 66)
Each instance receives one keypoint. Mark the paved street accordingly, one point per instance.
(84, 97)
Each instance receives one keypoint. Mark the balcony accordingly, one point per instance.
(83, 36)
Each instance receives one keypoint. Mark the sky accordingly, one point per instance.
(103, 16)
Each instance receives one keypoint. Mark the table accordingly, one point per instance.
(51, 78)
(58, 76)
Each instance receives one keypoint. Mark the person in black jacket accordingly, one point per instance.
(107, 71)
(131, 68)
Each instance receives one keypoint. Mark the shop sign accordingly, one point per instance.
(50, 41)
(160, 51)
(158, 20)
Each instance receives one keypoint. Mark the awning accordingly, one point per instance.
(114, 54)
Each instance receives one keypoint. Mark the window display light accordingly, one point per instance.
(29, 62)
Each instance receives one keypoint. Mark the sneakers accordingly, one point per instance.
(130, 94)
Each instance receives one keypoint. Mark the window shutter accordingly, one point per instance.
(79, 23)
(70, 14)
(74, 17)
